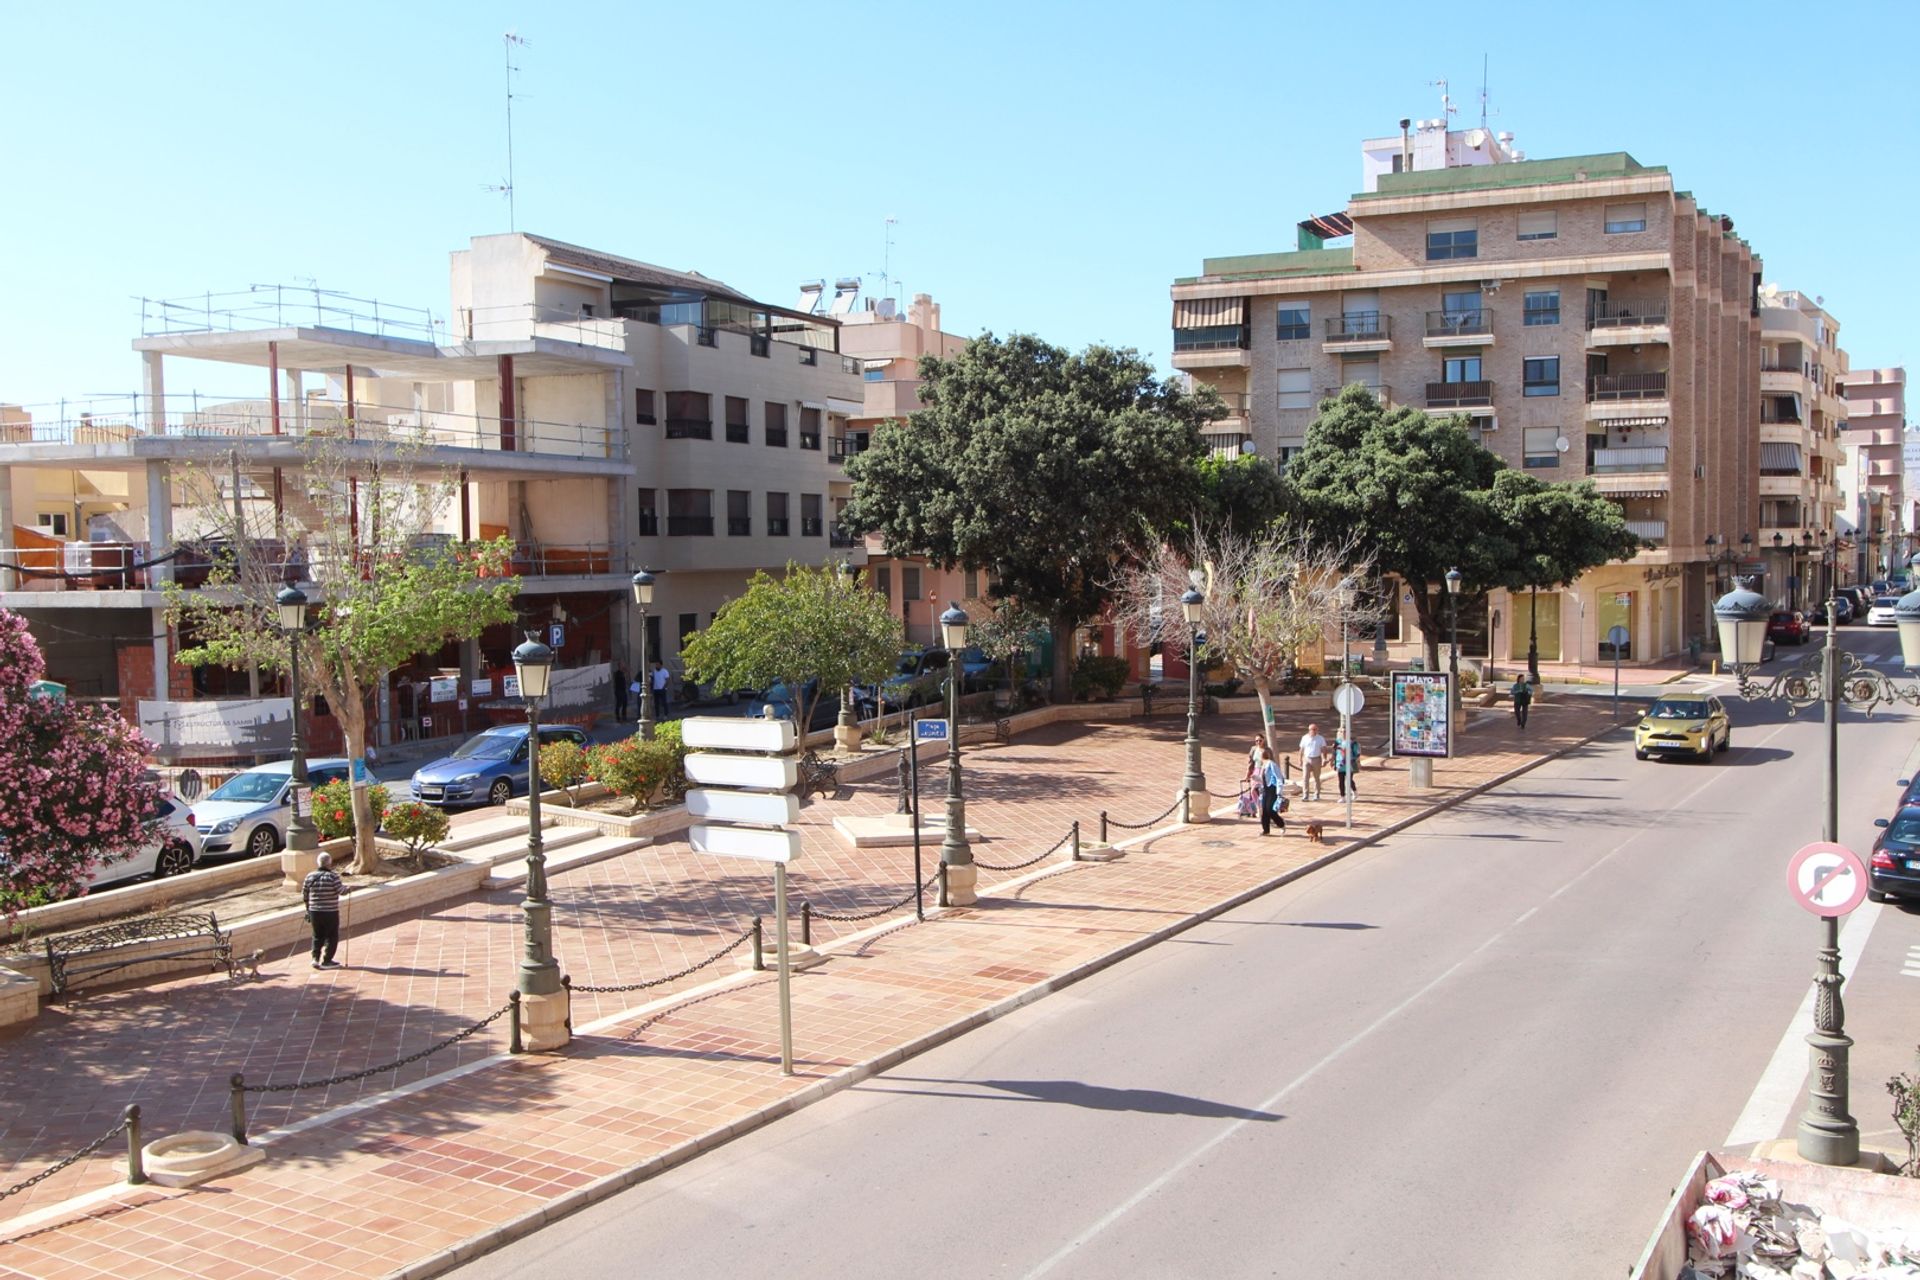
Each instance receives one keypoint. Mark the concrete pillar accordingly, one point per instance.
(159, 521)
(162, 658)
(153, 391)
(6, 530)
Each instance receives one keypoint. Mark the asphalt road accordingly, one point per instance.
(1486, 1048)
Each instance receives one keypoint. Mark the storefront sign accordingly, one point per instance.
(1422, 713)
(1662, 572)
(483, 686)
(443, 689)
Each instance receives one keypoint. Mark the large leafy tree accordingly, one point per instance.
(1043, 468)
(1558, 532)
(1243, 494)
(386, 591)
(72, 788)
(1414, 490)
(812, 625)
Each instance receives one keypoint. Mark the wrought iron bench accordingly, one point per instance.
(817, 775)
(1001, 731)
(77, 957)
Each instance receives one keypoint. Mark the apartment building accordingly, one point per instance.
(1876, 418)
(600, 412)
(1586, 317)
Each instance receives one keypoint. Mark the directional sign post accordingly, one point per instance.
(1348, 700)
(1617, 637)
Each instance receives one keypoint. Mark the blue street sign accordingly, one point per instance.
(930, 730)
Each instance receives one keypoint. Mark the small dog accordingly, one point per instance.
(1316, 833)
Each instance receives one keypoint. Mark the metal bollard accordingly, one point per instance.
(1103, 826)
(759, 955)
(1186, 805)
(136, 1170)
(513, 1024)
(806, 924)
(1076, 840)
(238, 1097)
(941, 900)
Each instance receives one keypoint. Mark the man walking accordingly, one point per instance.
(619, 695)
(1522, 699)
(1313, 756)
(320, 892)
(660, 677)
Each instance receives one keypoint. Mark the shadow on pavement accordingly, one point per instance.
(1077, 1093)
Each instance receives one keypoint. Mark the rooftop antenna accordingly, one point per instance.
(886, 257)
(1483, 93)
(508, 41)
(1446, 103)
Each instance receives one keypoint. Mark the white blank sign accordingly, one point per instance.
(764, 773)
(744, 842)
(733, 733)
(769, 808)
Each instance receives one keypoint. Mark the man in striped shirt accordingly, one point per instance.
(321, 891)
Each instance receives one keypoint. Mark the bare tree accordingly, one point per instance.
(1270, 595)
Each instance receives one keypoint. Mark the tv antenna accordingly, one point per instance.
(508, 41)
(1446, 103)
(886, 257)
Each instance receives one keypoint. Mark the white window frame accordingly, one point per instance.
(1532, 455)
(1304, 307)
(1528, 312)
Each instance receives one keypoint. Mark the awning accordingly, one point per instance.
(1621, 424)
(1328, 226)
(1780, 456)
(1204, 313)
(1634, 493)
(878, 364)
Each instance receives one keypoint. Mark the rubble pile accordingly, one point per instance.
(1745, 1231)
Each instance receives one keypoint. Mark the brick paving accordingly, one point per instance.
(516, 1134)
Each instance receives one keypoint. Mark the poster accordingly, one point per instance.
(1422, 725)
(483, 686)
(443, 688)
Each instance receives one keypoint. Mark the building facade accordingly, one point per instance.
(1802, 419)
(1876, 407)
(1587, 318)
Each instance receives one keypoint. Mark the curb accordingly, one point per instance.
(581, 1197)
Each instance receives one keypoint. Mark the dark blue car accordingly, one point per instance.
(489, 768)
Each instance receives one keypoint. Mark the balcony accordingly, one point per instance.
(811, 526)
(1239, 406)
(840, 537)
(540, 560)
(706, 335)
(777, 526)
(1211, 347)
(1460, 395)
(776, 437)
(1460, 328)
(739, 526)
(649, 524)
(1625, 461)
(739, 433)
(1612, 388)
(810, 440)
(1774, 417)
(1648, 530)
(1381, 392)
(689, 526)
(689, 428)
(840, 448)
(1359, 331)
(1620, 324)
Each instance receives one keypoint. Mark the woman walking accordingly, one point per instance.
(1272, 802)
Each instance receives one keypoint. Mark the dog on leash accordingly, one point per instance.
(1316, 833)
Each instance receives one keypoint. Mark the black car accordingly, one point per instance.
(1895, 866)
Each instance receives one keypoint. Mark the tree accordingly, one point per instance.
(1045, 469)
(1558, 532)
(72, 788)
(817, 631)
(1002, 628)
(1414, 490)
(1243, 494)
(388, 589)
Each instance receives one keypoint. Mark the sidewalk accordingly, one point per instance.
(641, 1087)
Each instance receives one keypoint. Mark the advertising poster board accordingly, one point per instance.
(1422, 707)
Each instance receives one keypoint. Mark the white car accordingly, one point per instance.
(174, 849)
(1880, 613)
(249, 812)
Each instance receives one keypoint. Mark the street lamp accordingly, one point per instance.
(846, 730)
(301, 838)
(642, 596)
(1827, 1133)
(543, 1013)
(955, 853)
(1453, 628)
(1194, 605)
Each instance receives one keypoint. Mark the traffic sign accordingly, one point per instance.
(765, 773)
(1348, 699)
(929, 730)
(745, 842)
(1827, 879)
(771, 808)
(556, 635)
(732, 733)
(1618, 637)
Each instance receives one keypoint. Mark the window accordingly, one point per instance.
(812, 523)
(760, 345)
(1541, 225)
(1295, 321)
(737, 429)
(1288, 452)
(883, 583)
(873, 373)
(649, 513)
(1541, 376)
(1453, 238)
(1364, 372)
(776, 515)
(689, 415)
(1626, 217)
(973, 584)
(643, 407)
(909, 583)
(1295, 387)
(54, 522)
(1539, 446)
(1543, 306)
(1460, 369)
(776, 424)
(689, 623)
(809, 428)
(739, 513)
(689, 513)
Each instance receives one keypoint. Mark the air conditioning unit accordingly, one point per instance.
(1489, 423)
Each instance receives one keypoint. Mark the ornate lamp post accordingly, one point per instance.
(1193, 604)
(543, 1004)
(1827, 1133)
(1453, 637)
(642, 596)
(846, 730)
(301, 837)
(954, 850)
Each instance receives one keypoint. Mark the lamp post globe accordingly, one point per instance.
(643, 597)
(1741, 616)
(956, 855)
(292, 603)
(543, 1012)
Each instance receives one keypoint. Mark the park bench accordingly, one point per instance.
(1000, 731)
(817, 775)
(77, 957)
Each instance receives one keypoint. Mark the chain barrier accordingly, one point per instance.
(349, 1077)
(79, 1155)
(1022, 866)
(1142, 826)
(723, 952)
(854, 917)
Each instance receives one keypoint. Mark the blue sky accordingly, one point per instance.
(1052, 166)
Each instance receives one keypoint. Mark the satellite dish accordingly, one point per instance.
(1248, 448)
(1476, 138)
(1562, 443)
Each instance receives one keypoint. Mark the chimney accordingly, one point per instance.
(1406, 147)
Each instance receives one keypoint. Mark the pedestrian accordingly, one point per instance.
(1522, 699)
(660, 677)
(1273, 805)
(1346, 764)
(320, 892)
(619, 695)
(1313, 755)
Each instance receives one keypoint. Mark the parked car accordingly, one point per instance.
(1691, 726)
(173, 850)
(488, 768)
(825, 711)
(1788, 626)
(919, 678)
(1881, 613)
(248, 813)
(976, 669)
(1894, 867)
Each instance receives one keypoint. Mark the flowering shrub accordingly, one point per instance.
(635, 768)
(415, 825)
(333, 808)
(72, 793)
(563, 764)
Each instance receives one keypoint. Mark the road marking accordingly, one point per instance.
(1173, 1171)
(1911, 969)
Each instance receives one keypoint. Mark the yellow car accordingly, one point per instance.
(1683, 726)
